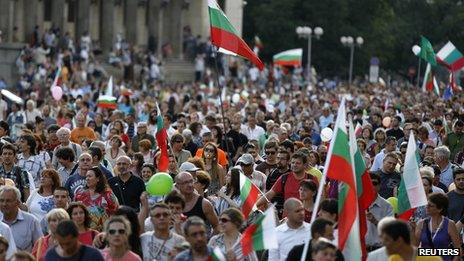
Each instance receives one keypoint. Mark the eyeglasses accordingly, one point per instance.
(119, 231)
(192, 181)
(158, 215)
(224, 220)
(270, 152)
(199, 233)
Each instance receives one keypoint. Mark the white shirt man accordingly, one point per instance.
(291, 233)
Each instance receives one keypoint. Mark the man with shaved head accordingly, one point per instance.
(126, 186)
(195, 205)
(76, 182)
(291, 233)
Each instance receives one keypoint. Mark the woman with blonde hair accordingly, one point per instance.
(44, 243)
(145, 148)
(216, 171)
(118, 230)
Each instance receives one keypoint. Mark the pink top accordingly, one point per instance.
(129, 256)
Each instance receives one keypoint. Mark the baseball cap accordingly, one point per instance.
(246, 159)
(188, 166)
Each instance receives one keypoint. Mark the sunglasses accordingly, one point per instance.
(224, 220)
(270, 152)
(165, 215)
(119, 231)
(209, 150)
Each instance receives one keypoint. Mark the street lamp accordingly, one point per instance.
(416, 50)
(308, 32)
(350, 42)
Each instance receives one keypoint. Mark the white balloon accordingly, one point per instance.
(326, 134)
(235, 98)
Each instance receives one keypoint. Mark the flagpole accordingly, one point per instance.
(222, 105)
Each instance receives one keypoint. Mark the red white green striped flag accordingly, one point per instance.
(217, 255)
(249, 195)
(226, 38)
(411, 192)
(365, 190)
(451, 57)
(339, 166)
(289, 57)
(430, 82)
(261, 234)
(107, 100)
(162, 140)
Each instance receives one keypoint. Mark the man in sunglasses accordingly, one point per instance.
(270, 149)
(247, 163)
(379, 209)
(160, 243)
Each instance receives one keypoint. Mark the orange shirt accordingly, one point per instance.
(222, 158)
(79, 134)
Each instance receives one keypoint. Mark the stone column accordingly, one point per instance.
(58, 13)
(161, 19)
(153, 20)
(30, 18)
(130, 21)
(82, 17)
(176, 27)
(107, 28)
(5, 20)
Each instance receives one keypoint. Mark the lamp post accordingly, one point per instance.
(349, 41)
(307, 32)
(416, 50)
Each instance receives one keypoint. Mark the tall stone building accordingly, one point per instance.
(138, 21)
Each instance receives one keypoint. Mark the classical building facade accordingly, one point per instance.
(138, 21)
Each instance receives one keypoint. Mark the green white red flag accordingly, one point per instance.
(339, 166)
(249, 195)
(225, 37)
(261, 234)
(411, 193)
(365, 189)
(289, 58)
(107, 101)
(451, 57)
(216, 255)
(430, 82)
(162, 140)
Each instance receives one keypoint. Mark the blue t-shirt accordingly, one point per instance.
(74, 184)
(84, 253)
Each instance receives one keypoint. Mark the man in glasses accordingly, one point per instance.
(379, 209)
(159, 244)
(270, 150)
(247, 164)
(195, 205)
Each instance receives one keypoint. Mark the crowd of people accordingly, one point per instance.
(73, 174)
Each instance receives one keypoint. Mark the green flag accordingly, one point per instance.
(427, 52)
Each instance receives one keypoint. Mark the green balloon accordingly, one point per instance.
(159, 184)
(394, 203)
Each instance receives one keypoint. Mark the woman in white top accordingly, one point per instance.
(40, 202)
(115, 151)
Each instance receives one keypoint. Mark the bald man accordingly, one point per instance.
(76, 182)
(126, 186)
(195, 205)
(291, 233)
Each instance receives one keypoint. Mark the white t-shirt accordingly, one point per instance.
(5, 232)
(39, 205)
(157, 249)
(3, 108)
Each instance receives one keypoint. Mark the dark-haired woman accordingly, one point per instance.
(98, 198)
(81, 217)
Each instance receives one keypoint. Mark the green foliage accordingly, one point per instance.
(389, 28)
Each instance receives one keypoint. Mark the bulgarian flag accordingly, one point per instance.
(411, 192)
(289, 57)
(216, 255)
(339, 166)
(162, 140)
(249, 195)
(261, 234)
(56, 81)
(430, 83)
(365, 189)
(107, 101)
(451, 57)
(225, 37)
